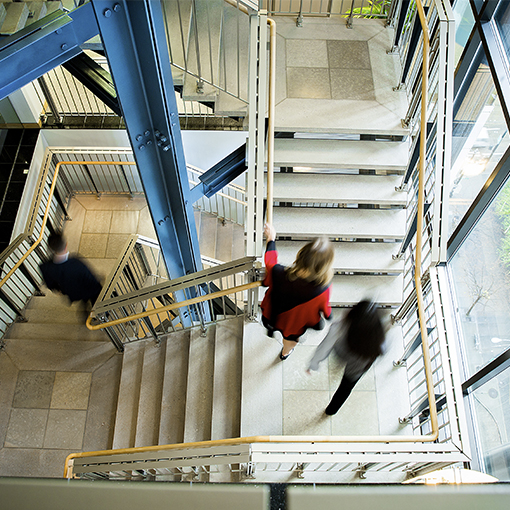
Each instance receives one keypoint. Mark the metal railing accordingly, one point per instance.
(64, 175)
(306, 454)
(228, 204)
(131, 307)
(208, 43)
(425, 244)
(380, 9)
(257, 459)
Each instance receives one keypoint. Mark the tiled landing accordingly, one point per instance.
(333, 79)
(373, 408)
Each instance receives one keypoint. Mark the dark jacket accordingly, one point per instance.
(291, 307)
(73, 278)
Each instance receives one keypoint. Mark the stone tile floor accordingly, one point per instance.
(58, 396)
(333, 79)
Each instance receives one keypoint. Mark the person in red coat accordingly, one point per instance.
(296, 295)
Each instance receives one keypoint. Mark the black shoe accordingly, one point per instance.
(282, 357)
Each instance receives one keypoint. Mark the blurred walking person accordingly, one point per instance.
(299, 294)
(357, 341)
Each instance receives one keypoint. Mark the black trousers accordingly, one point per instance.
(341, 394)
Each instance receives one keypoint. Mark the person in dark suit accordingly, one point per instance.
(69, 275)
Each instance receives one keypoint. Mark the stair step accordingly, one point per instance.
(175, 381)
(309, 222)
(234, 60)
(197, 426)
(55, 331)
(347, 290)
(317, 153)
(262, 383)
(46, 316)
(224, 241)
(37, 11)
(16, 16)
(129, 396)
(206, 21)
(337, 189)
(358, 257)
(208, 234)
(228, 105)
(3, 13)
(177, 15)
(227, 379)
(151, 387)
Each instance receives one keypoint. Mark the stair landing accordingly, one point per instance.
(332, 79)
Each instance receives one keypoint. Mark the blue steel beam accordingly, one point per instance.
(43, 45)
(134, 40)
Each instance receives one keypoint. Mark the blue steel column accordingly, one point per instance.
(134, 39)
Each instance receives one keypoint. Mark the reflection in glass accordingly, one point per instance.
(464, 23)
(480, 138)
(481, 276)
(491, 405)
(502, 18)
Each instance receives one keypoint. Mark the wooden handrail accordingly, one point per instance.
(419, 225)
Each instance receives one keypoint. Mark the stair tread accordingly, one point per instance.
(335, 188)
(129, 396)
(197, 426)
(225, 420)
(361, 257)
(175, 381)
(149, 407)
(262, 384)
(55, 331)
(349, 289)
(340, 153)
(308, 222)
(46, 316)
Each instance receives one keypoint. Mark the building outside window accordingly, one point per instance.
(479, 227)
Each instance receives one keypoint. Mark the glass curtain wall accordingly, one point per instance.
(479, 225)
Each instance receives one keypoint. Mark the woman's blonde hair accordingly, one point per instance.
(313, 262)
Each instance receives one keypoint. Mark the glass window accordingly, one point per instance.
(464, 23)
(502, 19)
(481, 275)
(480, 138)
(490, 404)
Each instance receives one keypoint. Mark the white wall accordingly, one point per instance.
(202, 149)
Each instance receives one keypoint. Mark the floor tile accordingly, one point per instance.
(294, 371)
(358, 415)
(124, 222)
(97, 222)
(33, 389)
(102, 407)
(311, 83)
(349, 54)
(71, 390)
(26, 428)
(354, 84)
(307, 53)
(65, 429)
(93, 245)
(8, 378)
(336, 370)
(116, 244)
(145, 224)
(303, 413)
